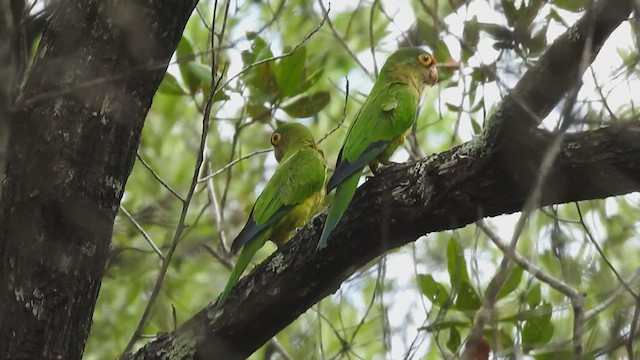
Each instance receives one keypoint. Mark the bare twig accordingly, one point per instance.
(145, 235)
(216, 210)
(344, 113)
(574, 295)
(234, 162)
(155, 175)
(274, 58)
(342, 41)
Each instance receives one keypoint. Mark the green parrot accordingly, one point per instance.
(292, 195)
(381, 125)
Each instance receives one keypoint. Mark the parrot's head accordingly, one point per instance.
(291, 136)
(413, 66)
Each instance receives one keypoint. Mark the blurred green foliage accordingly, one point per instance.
(419, 301)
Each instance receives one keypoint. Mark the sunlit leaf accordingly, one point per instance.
(456, 264)
(433, 290)
(512, 282)
(467, 298)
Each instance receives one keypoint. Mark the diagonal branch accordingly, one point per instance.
(489, 176)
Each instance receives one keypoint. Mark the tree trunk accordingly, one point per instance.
(75, 129)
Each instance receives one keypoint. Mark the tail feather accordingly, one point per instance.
(341, 201)
(243, 261)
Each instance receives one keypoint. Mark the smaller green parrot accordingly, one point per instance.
(293, 194)
(380, 127)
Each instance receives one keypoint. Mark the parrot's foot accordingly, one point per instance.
(376, 170)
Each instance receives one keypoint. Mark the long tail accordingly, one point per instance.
(243, 261)
(344, 194)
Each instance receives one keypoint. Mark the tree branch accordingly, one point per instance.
(489, 176)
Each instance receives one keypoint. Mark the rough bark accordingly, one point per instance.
(75, 130)
(490, 176)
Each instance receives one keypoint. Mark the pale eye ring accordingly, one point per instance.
(275, 138)
(426, 59)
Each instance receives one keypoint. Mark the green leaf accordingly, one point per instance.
(456, 264)
(538, 42)
(258, 112)
(570, 5)
(534, 296)
(501, 337)
(289, 73)
(538, 330)
(452, 107)
(454, 339)
(260, 79)
(308, 105)
(498, 32)
(477, 129)
(510, 11)
(467, 299)
(429, 34)
(433, 290)
(477, 106)
(470, 38)
(310, 80)
(170, 86)
(199, 71)
(185, 55)
(512, 282)
(219, 96)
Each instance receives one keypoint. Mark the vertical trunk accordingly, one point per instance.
(74, 136)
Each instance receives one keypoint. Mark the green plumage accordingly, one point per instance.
(380, 126)
(290, 198)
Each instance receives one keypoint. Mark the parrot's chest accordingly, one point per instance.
(296, 218)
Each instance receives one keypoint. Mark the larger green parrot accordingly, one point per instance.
(292, 195)
(381, 125)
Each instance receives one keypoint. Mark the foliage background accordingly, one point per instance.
(417, 301)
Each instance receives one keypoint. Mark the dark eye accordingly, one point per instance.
(426, 59)
(275, 138)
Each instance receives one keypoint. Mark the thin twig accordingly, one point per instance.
(576, 298)
(155, 175)
(344, 113)
(274, 58)
(140, 229)
(232, 163)
(342, 41)
(216, 210)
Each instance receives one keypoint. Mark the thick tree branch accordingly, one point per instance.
(490, 176)
(72, 146)
(445, 191)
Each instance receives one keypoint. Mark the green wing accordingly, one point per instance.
(386, 115)
(296, 178)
